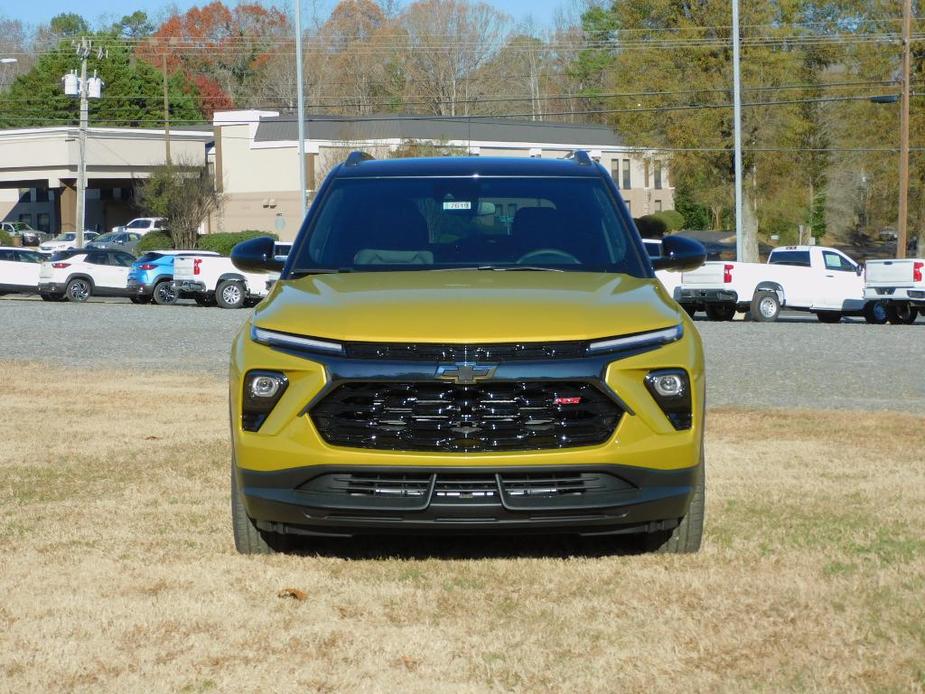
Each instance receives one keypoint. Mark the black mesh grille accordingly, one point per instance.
(525, 351)
(492, 416)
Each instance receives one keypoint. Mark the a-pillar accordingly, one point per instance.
(67, 205)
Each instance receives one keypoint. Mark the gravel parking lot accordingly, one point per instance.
(796, 363)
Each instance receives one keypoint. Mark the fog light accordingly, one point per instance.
(262, 390)
(671, 389)
(264, 386)
(668, 385)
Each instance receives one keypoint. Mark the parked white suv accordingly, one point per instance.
(821, 280)
(78, 274)
(143, 225)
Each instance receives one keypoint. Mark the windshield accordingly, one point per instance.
(148, 257)
(566, 223)
(68, 236)
(106, 237)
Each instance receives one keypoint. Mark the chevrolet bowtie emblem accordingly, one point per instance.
(465, 372)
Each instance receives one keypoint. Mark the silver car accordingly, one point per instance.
(117, 241)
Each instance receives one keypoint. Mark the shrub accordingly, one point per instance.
(154, 241)
(223, 242)
(673, 220)
(651, 227)
(5, 239)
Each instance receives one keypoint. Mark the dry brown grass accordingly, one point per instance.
(119, 571)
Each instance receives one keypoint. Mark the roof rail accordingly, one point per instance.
(356, 156)
(581, 156)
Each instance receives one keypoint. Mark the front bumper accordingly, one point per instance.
(638, 500)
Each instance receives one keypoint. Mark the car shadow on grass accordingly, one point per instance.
(467, 547)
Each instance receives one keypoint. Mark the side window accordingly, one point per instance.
(121, 259)
(6, 255)
(96, 259)
(833, 261)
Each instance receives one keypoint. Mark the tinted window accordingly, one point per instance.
(138, 224)
(6, 255)
(800, 258)
(30, 257)
(444, 223)
(97, 258)
(123, 259)
(148, 257)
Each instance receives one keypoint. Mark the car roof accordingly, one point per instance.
(467, 166)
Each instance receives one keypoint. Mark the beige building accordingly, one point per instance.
(38, 172)
(256, 157)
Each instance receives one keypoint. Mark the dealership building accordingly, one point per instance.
(254, 156)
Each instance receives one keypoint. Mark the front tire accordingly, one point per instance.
(164, 294)
(230, 294)
(78, 290)
(248, 539)
(721, 312)
(829, 316)
(687, 537)
(901, 314)
(765, 307)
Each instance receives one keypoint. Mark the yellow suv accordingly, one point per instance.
(467, 345)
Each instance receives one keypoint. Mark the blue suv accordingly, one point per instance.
(150, 276)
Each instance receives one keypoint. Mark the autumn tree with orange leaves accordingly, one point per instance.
(222, 50)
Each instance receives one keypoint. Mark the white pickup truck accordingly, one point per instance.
(900, 285)
(821, 280)
(214, 280)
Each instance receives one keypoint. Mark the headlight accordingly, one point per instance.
(262, 390)
(640, 341)
(671, 389)
(274, 338)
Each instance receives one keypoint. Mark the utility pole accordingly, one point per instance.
(86, 89)
(902, 226)
(737, 118)
(300, 108)
(166, 109)
(83, 50)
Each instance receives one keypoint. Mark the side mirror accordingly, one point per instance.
(680, 254)
(256, 255)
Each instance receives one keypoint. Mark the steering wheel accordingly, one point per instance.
(543, 254)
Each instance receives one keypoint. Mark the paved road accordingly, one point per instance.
(798, 362)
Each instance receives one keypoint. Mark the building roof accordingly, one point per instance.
(433, 128)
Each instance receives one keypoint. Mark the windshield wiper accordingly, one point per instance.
(302, 272)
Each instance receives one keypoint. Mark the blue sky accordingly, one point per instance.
(38, 11)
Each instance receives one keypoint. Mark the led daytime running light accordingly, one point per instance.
(650, 339)
(276, 339)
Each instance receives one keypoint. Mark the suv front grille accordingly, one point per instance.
(433, 416)
(525, 351)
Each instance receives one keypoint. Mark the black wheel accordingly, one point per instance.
(78, 290)
(140, 299)
(765, 307)
(721, 312)
(875, 312)
(230, 294)
(248, 539)
(901, 314)
(829, 316)
(204, 300)
(164, 294)
(688, 535)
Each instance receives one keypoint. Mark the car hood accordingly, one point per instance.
(466, 306)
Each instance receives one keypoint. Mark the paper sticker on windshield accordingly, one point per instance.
(457, 205)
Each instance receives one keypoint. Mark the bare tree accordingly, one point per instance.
(449, 41)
